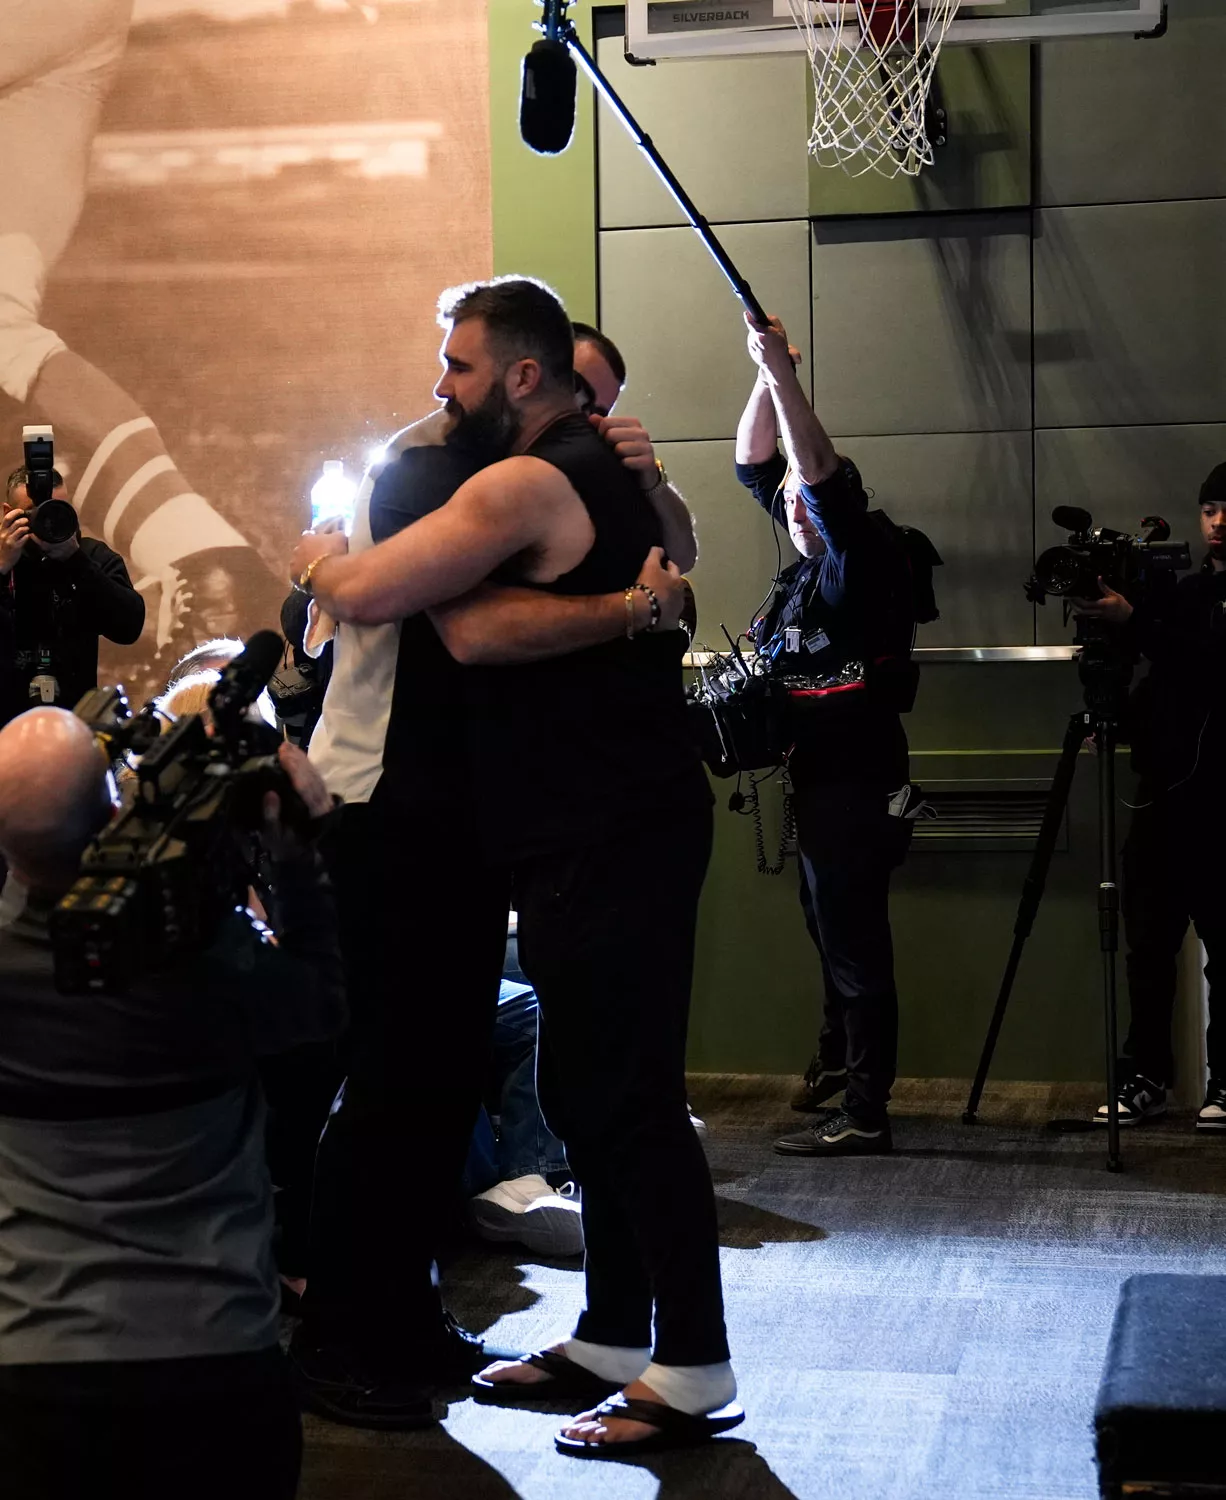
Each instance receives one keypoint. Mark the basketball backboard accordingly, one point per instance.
(661, 29)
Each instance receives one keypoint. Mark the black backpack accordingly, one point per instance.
(921, 557)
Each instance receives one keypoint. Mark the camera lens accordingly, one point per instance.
(53, 521)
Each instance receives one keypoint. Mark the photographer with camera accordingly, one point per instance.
(848, 600)
(138, 1295)
(59, 591)
(1177, 728)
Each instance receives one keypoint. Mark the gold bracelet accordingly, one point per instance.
(630, 613)
(304, 578)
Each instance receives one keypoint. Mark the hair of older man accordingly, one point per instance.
(55, 794)
(216, 653)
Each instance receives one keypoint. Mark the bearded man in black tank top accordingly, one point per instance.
(591, 794)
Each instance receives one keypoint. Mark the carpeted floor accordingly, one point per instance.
(930, 1324)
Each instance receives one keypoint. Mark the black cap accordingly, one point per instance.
(1213, 491)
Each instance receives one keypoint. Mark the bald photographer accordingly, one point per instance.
(138, 1295)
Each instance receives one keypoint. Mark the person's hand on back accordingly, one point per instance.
(670, 588)
(632, 444)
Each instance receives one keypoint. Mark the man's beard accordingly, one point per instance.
(488, 432)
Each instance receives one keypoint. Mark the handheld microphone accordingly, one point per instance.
(1072, 518)
(547, 98)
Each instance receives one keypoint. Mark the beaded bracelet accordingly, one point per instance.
(654, 602)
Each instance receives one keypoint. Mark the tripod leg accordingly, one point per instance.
(1032, 894)
(1108, 922)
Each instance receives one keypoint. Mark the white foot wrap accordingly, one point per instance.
(608, 1361)
(25, 345)
(694, 1389)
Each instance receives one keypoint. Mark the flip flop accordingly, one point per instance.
(566, 1378)
(674, 1429)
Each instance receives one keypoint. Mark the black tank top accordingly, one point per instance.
(587, 745)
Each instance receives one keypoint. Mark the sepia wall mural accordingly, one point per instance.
(223, 228)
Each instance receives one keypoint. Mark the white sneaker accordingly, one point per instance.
(700, 1126)
(528, 1211)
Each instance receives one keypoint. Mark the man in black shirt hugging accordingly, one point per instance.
(843, 610)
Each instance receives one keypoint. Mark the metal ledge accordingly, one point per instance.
(926, 655)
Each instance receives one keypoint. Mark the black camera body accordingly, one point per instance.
(53, 521)
(157, 881)
(1127, 564)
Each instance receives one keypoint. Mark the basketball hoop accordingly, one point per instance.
(873, 63)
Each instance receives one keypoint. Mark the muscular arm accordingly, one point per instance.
(674, 516)
(512, 507)
(757, 433)
(495, 626)
(499, 626)
(809, 448)
(803, 435)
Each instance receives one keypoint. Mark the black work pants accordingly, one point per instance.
(424, 931)
(606, 936)
(1172, 876)
(191, 1429)
(849, 847)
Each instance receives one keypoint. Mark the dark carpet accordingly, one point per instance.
(931, 1323)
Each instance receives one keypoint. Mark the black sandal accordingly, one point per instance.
(566, 1379)
(674, 1429)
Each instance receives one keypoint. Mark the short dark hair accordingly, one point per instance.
(22, 476)
(585, 334)
(524, 318)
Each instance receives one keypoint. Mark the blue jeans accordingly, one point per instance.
(524, 1144)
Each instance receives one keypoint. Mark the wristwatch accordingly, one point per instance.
(303, 583)
(660, 479)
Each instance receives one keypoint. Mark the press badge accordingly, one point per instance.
(816, 642)
(791, 640)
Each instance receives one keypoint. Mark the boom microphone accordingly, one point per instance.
(547, 98)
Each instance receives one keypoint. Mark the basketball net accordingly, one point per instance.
(873, 63)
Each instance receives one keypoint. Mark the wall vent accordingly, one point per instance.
(987, 818)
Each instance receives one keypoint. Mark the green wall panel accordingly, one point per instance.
(544, 207)
(732, 129)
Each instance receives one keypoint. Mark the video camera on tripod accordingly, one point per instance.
(157, 881)
(1093, 552)
(1144, 566)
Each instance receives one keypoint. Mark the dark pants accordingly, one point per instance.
(194, 1429)
(300, 1086)
(1172, 876)
(849, 847)
(423, 930)
(606, 935)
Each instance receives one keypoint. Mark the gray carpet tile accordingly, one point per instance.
(930, 1324)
